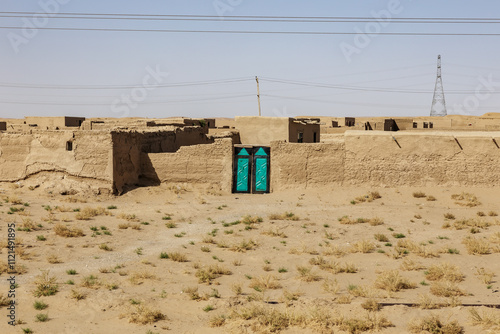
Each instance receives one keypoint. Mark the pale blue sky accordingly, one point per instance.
(97, 58)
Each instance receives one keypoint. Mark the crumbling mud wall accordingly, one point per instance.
(295, 165)
(206, 164)
(389, 159)
(88, 156)
(130, 145)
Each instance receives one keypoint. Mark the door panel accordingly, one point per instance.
(242, 175)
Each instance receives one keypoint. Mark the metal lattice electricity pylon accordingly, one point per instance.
(438, 107)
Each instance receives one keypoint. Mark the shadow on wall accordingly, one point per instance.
(149, 176)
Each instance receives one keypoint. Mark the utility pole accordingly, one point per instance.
(258, 94)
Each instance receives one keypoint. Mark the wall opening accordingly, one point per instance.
(69, 146)
(300, 137)
(415, 125)
(426, 125)
(431, 125)
(315, 137)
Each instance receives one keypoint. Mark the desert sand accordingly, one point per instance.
(178, 259)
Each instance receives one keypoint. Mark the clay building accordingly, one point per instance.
(263, 130)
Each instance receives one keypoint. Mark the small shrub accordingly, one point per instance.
(40, 305)
(391, 280)
(45, 285)
(432, 324)
(66, 232)
(419, 194)
(446, 289)
(444, 271)
(42, 317)
(143, 315)
(477, 246)
(71, 272)
(177, 257)
(105, 247)
(381, 237)
(466, 199)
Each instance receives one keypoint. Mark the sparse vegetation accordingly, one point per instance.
(466, 199)
(68, 232)
(392, 281)
(432, 324)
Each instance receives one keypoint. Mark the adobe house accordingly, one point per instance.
(258, 130)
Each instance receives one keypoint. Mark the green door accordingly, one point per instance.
(261, 168)
(242, 171)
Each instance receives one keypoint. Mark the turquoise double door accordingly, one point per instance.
(251, 170)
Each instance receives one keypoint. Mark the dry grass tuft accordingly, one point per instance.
(419, 194)
(477, 246)
(462, 224)
(392, 281)
(177, 257)
(420, 250)
(263, 283)
(284, 216)
(143, 315)
(446, 289)
(138, 278)
(363, 246)
(275, 233)
(444, 272)
(346, 220)
(427, 303)
(411, 265)
(207, 274)
(68, 232)
(54, 259)
(333, 267)
(449, 216)
(244, 246)
(371, 305)
(128, 217)
(306, 275)
(4, 301)
(485, 275)
(45, 284)
(88, 213)
(335, 250)
(370, 197)
(487, 319)
(466, 199)
(432, 324)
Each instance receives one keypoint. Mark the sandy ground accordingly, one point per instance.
(280, 251)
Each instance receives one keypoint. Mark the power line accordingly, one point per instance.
(260, 17)
(367, 89)
(134, 17)
(255, 32)
(141, 103)
(180, 84)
